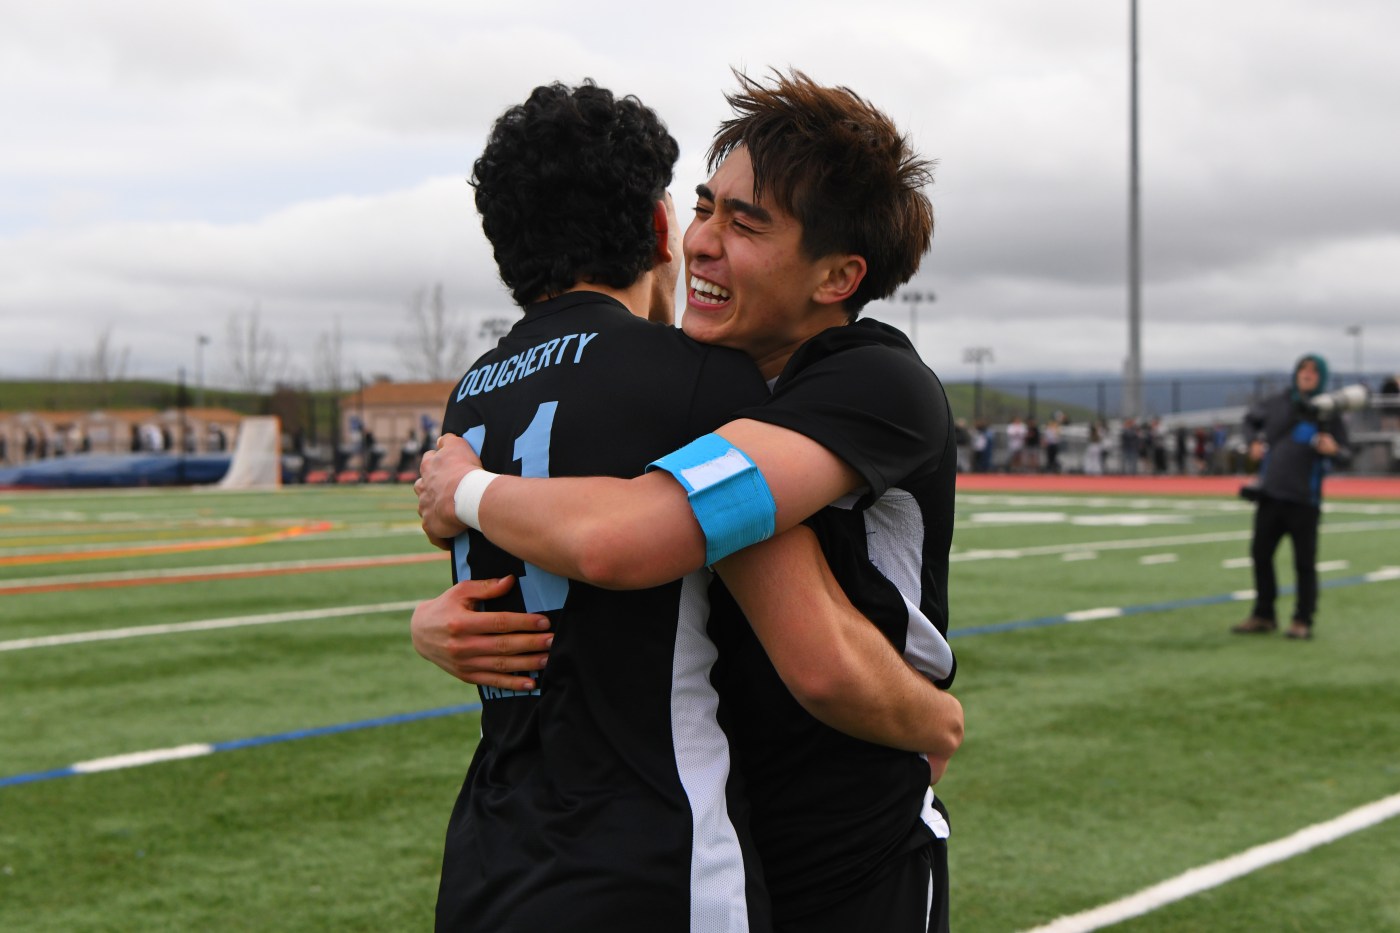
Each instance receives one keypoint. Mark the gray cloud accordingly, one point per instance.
(169, 164)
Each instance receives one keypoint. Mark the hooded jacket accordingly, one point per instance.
(1292, 469)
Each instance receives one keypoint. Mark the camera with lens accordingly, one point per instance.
(1348, 398)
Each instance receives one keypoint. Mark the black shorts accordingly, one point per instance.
(908, 895)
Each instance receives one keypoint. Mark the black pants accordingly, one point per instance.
(1272, 521)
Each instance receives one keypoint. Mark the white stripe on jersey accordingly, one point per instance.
(932, 818)
(718, 896)
(894, 529)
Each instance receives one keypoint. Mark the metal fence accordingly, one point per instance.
(1194, 425)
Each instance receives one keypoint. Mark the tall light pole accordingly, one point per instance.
(1354, 330)
(1132, 367)
(978, 356)
(913, 299)
(200, 342)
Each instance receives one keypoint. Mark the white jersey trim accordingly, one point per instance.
(718, 883)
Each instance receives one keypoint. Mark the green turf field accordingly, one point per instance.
(1103, 755)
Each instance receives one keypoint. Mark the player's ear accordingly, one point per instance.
(663, 217)
(843, 274)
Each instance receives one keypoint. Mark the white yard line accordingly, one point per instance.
(1130, 544)
(202, 625)
(394, 530)
(175, 573)
(1217, 873)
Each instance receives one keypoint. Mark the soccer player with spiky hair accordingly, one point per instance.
(814, 207)
(603, 793)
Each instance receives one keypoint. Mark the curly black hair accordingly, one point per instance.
(566, 186)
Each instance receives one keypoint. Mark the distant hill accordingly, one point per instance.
(66, 395)
(1163, 393)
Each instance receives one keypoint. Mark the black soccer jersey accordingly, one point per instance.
(829, 809)
(605, 799)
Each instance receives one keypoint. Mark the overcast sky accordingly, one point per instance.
(169, 164)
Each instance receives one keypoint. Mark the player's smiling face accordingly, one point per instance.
(749, 284)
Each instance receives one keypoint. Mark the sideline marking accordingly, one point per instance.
(82, 581)
(202, 625)
(1216, 537)
(50, 557)
(143, 758)
(139, 759)
(1228, 869)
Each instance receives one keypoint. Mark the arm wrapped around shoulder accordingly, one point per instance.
(727, 492)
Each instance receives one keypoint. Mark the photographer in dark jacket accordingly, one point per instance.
(1296, 446)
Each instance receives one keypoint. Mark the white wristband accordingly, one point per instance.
(467, 499)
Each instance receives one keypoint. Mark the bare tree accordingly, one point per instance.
(258, 358)
(105, 364)
(436, 348)
(53, 366)
(329, 363)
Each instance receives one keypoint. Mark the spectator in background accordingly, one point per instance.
(984, 442)
(1201, 451)
(963, 438)
(1033, 442)
(1015, 445)
(1157, 446)
(1093, 449)
(370, 453)
(408, 453)
(1389, 397)
(1220, 449)
(1295, 446)
(1052, 442)
(1130, 442)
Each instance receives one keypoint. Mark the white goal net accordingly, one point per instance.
(257, 455)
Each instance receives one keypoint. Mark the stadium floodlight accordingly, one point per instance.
(1132, 366)
(913, 299)
(977, 356)
(1354, 330)
(200, 342)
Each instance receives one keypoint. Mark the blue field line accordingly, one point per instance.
(395, 720)
(1090, 616)
(233, 745)
(194, 751)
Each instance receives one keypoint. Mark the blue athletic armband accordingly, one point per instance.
(727, 493)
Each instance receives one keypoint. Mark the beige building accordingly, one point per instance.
(395, 414)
